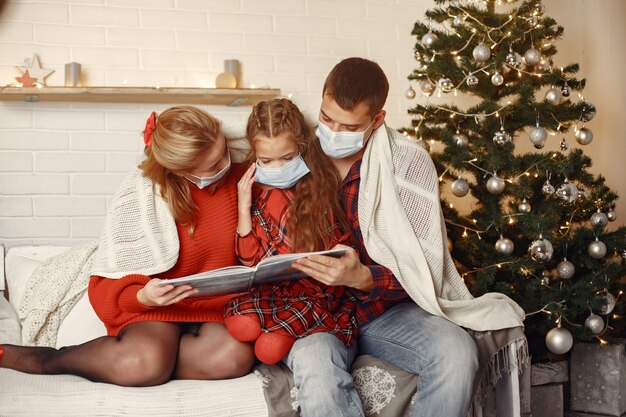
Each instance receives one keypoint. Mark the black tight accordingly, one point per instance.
(143, 354)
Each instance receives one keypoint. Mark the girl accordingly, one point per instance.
(175, 215)
(293, 207)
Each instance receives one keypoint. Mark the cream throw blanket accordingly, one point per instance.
(403, 229)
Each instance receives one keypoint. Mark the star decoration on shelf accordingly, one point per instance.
(36, 71)
(26, 79)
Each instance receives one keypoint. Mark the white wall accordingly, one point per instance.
(60, 162)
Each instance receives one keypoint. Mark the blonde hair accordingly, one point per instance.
(182, 136)
(319, 189)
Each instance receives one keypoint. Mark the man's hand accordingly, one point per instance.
(347, 270)
(152, 295)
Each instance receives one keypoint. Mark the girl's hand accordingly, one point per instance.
(347, 270)
(152, 295)
(244, 190)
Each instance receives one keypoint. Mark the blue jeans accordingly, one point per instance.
(442, 354)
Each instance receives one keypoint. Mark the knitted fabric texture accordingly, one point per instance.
(139, 234)
(52, 290)
(403, 229)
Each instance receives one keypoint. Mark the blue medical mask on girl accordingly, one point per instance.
(202, 182)
(282, 177)
(339, 145)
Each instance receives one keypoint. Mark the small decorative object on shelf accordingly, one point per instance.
(34, 72)
(72, 74)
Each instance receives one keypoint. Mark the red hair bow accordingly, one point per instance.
(149, 129)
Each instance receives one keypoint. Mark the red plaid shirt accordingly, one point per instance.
(386, 290)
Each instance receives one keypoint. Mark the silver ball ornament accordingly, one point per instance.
(565, 269)
(460, 187)
(504, 246)
(427, 88)
(501, 137)
(460, 139)
(409, 93)
(608, 300)
(541, 250)
(566, 90)
(445, 84)
(599, 219)
(495, 185)
(532, 20)
(554, 96)
(547, 188)
(611, 215)
(594, 323)
(514, 59)
(524, 206)
(532, 57)
(471, 80)
(597, 249)
(589, 112)
(584, 136)
(538, 136)
(559, 340)
(429, 40)
(458, 20)
(497, 79)
(481, 52)
(567, 192)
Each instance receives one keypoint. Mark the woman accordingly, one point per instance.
(175, 215)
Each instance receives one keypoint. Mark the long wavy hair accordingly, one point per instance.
(182, 137)
(320, 189)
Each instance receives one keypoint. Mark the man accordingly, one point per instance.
(412, 303)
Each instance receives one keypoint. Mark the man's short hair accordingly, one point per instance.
(356, 80)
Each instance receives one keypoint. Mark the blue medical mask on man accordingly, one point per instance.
(282, 177)
(202, 182)
(339, 145)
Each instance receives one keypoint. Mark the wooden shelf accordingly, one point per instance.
(221, 96)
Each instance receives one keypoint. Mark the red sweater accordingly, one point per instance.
(212, 246)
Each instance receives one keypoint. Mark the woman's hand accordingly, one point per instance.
(152, 295)
(347, 270)
(244, 201)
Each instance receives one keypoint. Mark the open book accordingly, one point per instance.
(239, 278)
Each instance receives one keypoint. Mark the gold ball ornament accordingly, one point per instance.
(225, 80)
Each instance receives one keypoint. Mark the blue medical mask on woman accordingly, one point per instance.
(202, 182)
(283, 177)
(339, 145)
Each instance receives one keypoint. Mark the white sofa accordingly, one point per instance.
(385, 390)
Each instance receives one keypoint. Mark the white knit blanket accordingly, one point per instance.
(404, 229)
(53, 288)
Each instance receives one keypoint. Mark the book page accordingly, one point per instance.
(278, 268)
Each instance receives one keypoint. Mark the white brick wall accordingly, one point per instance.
(60, 163)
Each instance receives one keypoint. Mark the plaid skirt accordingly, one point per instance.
(300, 308)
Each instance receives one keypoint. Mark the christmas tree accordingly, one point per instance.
(537, 227)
